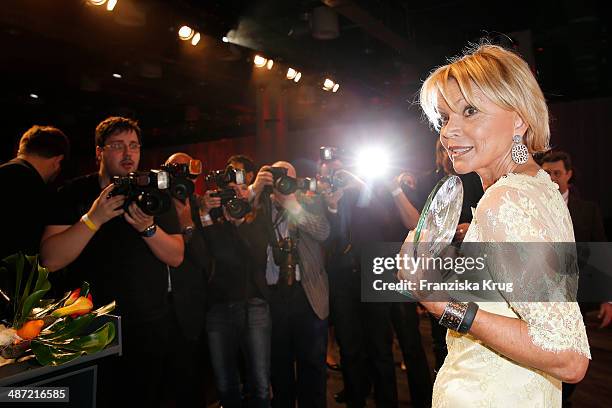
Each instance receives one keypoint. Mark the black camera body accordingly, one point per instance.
(338, 180)
(286, 258)
(236, 207)
(286, 185)
(147, 189)
(181, 185)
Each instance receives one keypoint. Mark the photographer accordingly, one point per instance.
(123, 254)
(238, 314)
(41, 152)
(187, 301)
(242, 162)
(299, 299)
(361, 214)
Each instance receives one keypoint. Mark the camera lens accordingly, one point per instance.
(237, 208)
(154, 202)
(286, 185)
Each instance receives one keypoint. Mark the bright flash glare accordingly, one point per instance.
(372, 162)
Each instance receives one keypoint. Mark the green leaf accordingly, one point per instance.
(105, 309)
(19, 316)
(30, 302)
(94, 342)
(58, 352)
(84, 289)
(43, 276)
(69, 328)
(53, 356)
(52, 306)
(16, 262)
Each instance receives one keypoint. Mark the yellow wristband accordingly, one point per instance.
(89, 223)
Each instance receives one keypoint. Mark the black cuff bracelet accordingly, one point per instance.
(468, 317)
(458, 316)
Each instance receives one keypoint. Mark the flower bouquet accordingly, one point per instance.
(53, 331)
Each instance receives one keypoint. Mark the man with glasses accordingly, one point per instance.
(123, 254)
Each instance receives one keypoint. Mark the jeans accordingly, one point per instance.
(236, 326)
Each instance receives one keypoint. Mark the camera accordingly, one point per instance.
(327, 153)
(286, 185)
(181, 185)
(147, 189)
(236, 207)
(286, 258)
(338, 179)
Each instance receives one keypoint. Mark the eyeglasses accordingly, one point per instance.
(116, 146)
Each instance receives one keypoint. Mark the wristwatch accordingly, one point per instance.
(188, 232)
(149, 231)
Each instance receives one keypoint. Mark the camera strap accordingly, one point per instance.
(281, 216)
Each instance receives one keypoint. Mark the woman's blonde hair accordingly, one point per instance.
(504, 78)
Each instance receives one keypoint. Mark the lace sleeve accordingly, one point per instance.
(521, 227)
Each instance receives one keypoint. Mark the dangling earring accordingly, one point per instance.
(520, 154)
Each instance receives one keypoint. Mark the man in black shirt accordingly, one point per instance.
(24, 181)
(123, 254)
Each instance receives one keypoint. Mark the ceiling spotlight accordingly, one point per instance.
(291, 73)
(297, 77)
(110, 6)
(335, 88)
(185, 33)
(259, 61)
(270, 64)
(97, 2)
(196, 39)
(33, 96)
(328, 84)
(225, 39)
(118, 76)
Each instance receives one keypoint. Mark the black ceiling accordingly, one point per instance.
(66, 52)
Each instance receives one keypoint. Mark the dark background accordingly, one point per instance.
(211, 101)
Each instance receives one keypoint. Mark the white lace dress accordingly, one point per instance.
(517, 208)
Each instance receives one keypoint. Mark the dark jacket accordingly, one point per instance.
(588, 224)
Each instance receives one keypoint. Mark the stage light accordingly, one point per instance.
(110, 6)
(372, 162)
(225, 39)
(33, 96)
(185, 33)
(118, 76)
(196, 39)
(297, 77)
(291, 73)
(328, 84)
(335, 88)
(259, 61)
(270, 64)
(97, 2)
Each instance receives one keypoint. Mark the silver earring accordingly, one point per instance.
(520, 154)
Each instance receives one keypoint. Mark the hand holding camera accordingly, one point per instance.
(208, 201)
(137, 218)
(264, 178)
(229, 193)
(106, 207)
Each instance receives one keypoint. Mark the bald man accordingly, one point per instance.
(299, 308)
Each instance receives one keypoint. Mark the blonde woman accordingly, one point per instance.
(492, 116)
